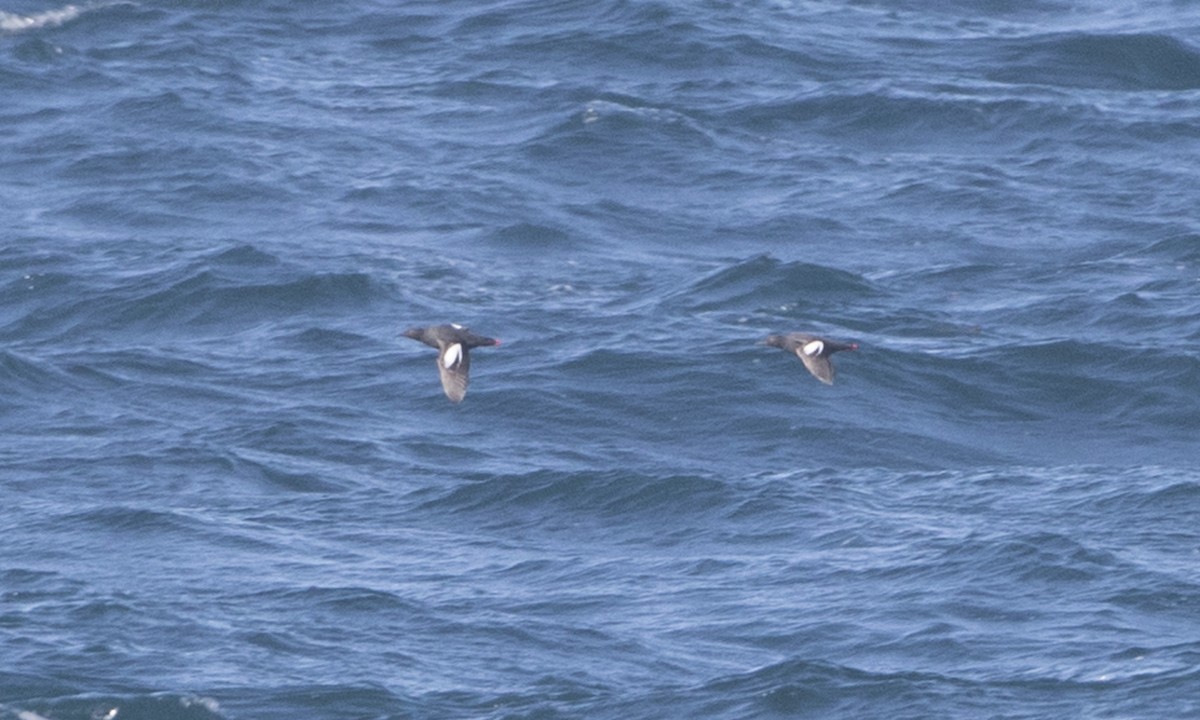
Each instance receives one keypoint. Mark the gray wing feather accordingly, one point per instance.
(455, 377)
(819, 366)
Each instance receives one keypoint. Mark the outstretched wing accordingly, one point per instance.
(817, 364)
(453, 366)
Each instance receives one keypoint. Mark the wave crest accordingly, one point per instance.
(15, 23)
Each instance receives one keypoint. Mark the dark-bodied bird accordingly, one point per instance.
(813, 351)
(453, 343)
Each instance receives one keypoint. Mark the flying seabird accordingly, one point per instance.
(454, 361)
(813, 351)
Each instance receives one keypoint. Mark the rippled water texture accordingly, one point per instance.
(233, 489)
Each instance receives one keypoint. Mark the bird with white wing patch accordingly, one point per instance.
(813, 351)
(453, 343)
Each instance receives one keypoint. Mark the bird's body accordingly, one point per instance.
(453, 343)
(813, 351)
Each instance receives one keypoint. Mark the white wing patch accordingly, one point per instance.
(452, 356)
(813, 348)
(456, 326)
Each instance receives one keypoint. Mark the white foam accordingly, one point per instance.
(12, 22)
(207, 703)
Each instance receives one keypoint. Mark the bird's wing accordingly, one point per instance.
(818, 365)
(453, 366)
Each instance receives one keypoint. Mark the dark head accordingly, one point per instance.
(416, 333)
(778, 341)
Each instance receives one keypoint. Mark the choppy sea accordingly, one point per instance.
(231, 489)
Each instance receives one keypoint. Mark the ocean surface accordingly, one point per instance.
(231, 489)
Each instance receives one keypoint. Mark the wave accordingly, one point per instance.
(206, 298)
(22, 377)
(824, 689)
(230, 287)
(765, 284)
(1013, 382)
(620, 138)
(14, 23)
(351, 599)
(1183, 248)
(524, 497)
(908, 120)
(531, 238)
(135, 520)
(1112, 62)
(109, 707)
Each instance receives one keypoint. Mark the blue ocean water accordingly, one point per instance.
(232, 489)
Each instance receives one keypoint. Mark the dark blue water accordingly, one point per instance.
(231, 489)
